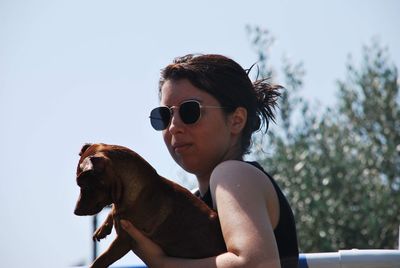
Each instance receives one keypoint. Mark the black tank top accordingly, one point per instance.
(285, 231)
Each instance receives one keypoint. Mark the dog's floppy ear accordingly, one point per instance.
(84, 148)
(90, 167)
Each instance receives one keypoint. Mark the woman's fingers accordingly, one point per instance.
(130, 229)
(147, 249)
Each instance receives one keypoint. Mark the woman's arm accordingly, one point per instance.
(248, 209)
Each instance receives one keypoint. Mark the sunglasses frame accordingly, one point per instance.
(171, 113)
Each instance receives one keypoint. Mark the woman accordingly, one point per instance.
(210, 109)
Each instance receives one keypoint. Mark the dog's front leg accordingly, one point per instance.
(104, 229)
(118, 248)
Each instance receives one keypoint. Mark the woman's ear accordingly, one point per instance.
(238, 120)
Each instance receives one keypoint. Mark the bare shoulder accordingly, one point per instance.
(242, 183)
(234, 173)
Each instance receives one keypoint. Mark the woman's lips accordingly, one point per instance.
(180, 147)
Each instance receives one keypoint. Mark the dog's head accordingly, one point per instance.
(96, 180)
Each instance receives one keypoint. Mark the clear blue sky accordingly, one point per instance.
(87, 71)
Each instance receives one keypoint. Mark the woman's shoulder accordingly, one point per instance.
(236, 170)
(235, 175)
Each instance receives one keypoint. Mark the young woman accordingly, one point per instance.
(209, 110)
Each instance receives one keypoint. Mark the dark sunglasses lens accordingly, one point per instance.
(160, 117)
(189, 112)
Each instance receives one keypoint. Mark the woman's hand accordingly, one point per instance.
(147, 250)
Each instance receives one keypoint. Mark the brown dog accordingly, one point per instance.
(167, 213)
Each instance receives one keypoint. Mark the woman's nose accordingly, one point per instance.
(176, 123)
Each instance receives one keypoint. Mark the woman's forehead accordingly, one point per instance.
(174, 92)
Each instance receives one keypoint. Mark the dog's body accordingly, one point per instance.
(167, 213)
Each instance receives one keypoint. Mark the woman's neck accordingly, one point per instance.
(204, 183)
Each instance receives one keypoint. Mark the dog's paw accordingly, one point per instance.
(102, 232)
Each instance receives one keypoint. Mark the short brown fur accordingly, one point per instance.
(164, 211)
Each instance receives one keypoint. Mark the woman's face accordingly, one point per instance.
(197, 147)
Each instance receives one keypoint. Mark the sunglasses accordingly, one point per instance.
(189, 112)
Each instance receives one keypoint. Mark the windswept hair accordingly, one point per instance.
(229, 83)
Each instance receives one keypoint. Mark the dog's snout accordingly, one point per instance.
(78, 208)
(78, 212)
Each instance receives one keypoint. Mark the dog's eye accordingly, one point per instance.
(90, 180)
(87, 188)
(84, 178)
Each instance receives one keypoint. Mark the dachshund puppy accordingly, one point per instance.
(165, 212)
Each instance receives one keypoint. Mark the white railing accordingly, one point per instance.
(354, 258)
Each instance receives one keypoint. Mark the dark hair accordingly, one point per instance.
(229, 83)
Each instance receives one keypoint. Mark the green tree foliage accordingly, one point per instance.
(340, 168)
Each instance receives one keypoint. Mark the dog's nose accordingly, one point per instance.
(78, 212)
